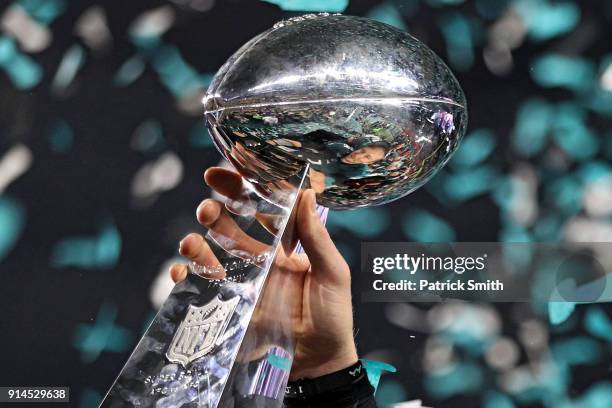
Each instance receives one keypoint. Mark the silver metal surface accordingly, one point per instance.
(374, 111)
(200, 330)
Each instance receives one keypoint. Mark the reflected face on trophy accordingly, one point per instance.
(365, 155)
(372, 110)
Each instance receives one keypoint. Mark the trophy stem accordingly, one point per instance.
(224, 343)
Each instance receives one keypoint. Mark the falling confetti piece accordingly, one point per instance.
(100, 251)
(388, 13)
(69, 66)
(102, 335)
(422, 226)
(15, 162)
(332, 6)
(129, 72)
(12, 220)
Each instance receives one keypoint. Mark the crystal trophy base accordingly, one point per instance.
(223, 343)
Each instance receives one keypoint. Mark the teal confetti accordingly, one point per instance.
(420, 225)
(604, 65)
(491, 9)
(543, 292)
(533, 121)
(556, 70)
(103, 335)
(389, 392)
(504, 192)
(12, 220)
(45, 11)
(599, 101)
(442, 3)
(579, 350)
(436, 186)
(21, 69)
(517, 258)
(89, 398)
(474, 148)
(199, 136)
(598, 395)
(175, 73)
(24, 72)
(129, 72)
(282, 363)
(387, 13)
(457, 32)
(466, 184)
(60, 136)
(101, 251)
(332, 6)
(468, 331)
(359, 221)
(565, 193)
(493, 399)
(571, 133)
(546, 20)
(146, 43)
(8, 50)
(558, 312)
(406, 8)
(598, 323)
(374, 369)
(514, 233)
(548, 385)
(547, 228)
(593, 171)
(458, 379)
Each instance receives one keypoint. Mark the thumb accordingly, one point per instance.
(322, 253)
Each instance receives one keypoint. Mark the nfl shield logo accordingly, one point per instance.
(199, 331)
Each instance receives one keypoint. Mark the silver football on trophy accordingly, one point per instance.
(374, 111)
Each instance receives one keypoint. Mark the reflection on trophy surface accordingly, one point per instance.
(371, 109)
(355, 109)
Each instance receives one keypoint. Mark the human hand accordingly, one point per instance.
(316, 285)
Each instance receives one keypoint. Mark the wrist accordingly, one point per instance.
(339, 361)
(331, 390)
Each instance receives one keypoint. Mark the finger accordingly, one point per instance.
(178, 272)
(225, 182)
(195, 247)
(230, 184)
(318, 245)
(213, 215)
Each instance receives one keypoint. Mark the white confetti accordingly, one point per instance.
(13, 164)
(32, 36)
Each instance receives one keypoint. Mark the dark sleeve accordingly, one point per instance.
(355, 394)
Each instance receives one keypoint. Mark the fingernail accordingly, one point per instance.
(203, 210)
(203, 205)
(182, 246)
